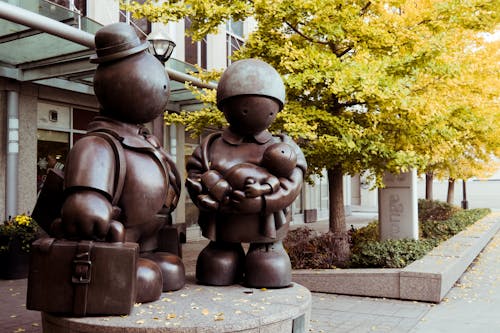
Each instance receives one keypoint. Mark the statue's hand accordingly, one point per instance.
(240, 203)
(194, 185)
(86, 214)
(206, 201)
(253, 190)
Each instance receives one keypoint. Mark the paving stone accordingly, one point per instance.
(470, 306)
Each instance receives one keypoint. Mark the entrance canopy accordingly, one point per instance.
(48, 44)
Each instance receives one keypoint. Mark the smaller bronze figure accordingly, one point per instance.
(243, 180)
(278, 160)
(118, 177)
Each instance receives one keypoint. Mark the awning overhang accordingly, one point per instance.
(47, 44)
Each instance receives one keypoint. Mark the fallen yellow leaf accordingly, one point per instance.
(219, 316)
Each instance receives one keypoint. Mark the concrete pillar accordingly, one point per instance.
(177, 151)
(311, 203)
(103, 11)
(217, 50)
(347, 195)
(398, 206)
(11, 186)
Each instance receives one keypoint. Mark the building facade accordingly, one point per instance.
(47, 99)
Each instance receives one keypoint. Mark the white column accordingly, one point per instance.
(347, 195)
(11, 204)
(177, 136)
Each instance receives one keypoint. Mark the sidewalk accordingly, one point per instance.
(472, 305)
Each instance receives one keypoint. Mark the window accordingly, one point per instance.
(194, 52)
(234, 38)
(74, 5)
(142, 26)
(59, 127)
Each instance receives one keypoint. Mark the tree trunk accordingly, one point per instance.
(451, 191)
(429, 176)
(337, 225)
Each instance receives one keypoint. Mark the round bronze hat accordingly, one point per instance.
(116, 41)
(250, 77)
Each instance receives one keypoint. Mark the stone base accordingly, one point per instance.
(198, 308)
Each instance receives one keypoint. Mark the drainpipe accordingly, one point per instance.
(12, 154)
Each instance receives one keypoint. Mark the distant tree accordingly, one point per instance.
(468, 135)
(370, 85)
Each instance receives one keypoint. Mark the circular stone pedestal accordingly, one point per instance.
(197, 308)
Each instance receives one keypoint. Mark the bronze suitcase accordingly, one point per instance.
(82, 278)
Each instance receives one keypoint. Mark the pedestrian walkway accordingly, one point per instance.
(472, 305)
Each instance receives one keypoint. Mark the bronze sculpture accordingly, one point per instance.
(132, 87)
(243, 180)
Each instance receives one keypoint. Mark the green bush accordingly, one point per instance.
(438, 222)
(435, 210)
(309, 249)
(366, 251)
(390, 253)
(365, 234)
(442, 230)
(297, 244)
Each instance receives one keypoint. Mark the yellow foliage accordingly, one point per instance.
(370, 85)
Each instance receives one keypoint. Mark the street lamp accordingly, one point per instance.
(161, 45)
(465, 203)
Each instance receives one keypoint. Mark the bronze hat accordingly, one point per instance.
(250, 77)
(116, 41)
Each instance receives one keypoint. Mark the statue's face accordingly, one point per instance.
(250, 114)
(134, 89)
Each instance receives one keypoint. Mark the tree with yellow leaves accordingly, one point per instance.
(370, 85)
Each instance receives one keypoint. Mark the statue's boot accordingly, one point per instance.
(267, 265)
(149, 281)
(172, 269)
(220, 264)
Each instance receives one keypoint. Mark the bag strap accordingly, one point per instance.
(205, 148)
(114, 141)
(82, 272)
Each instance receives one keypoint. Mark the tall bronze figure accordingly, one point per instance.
(116, 187)
(243, 180)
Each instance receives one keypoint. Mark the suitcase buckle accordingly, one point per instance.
(81, 271)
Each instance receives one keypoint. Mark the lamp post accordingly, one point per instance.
(465, 203)
(161, 45)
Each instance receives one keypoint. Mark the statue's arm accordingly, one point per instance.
(174, 179)
(290, 186)
(89, 186)
(194, 169)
